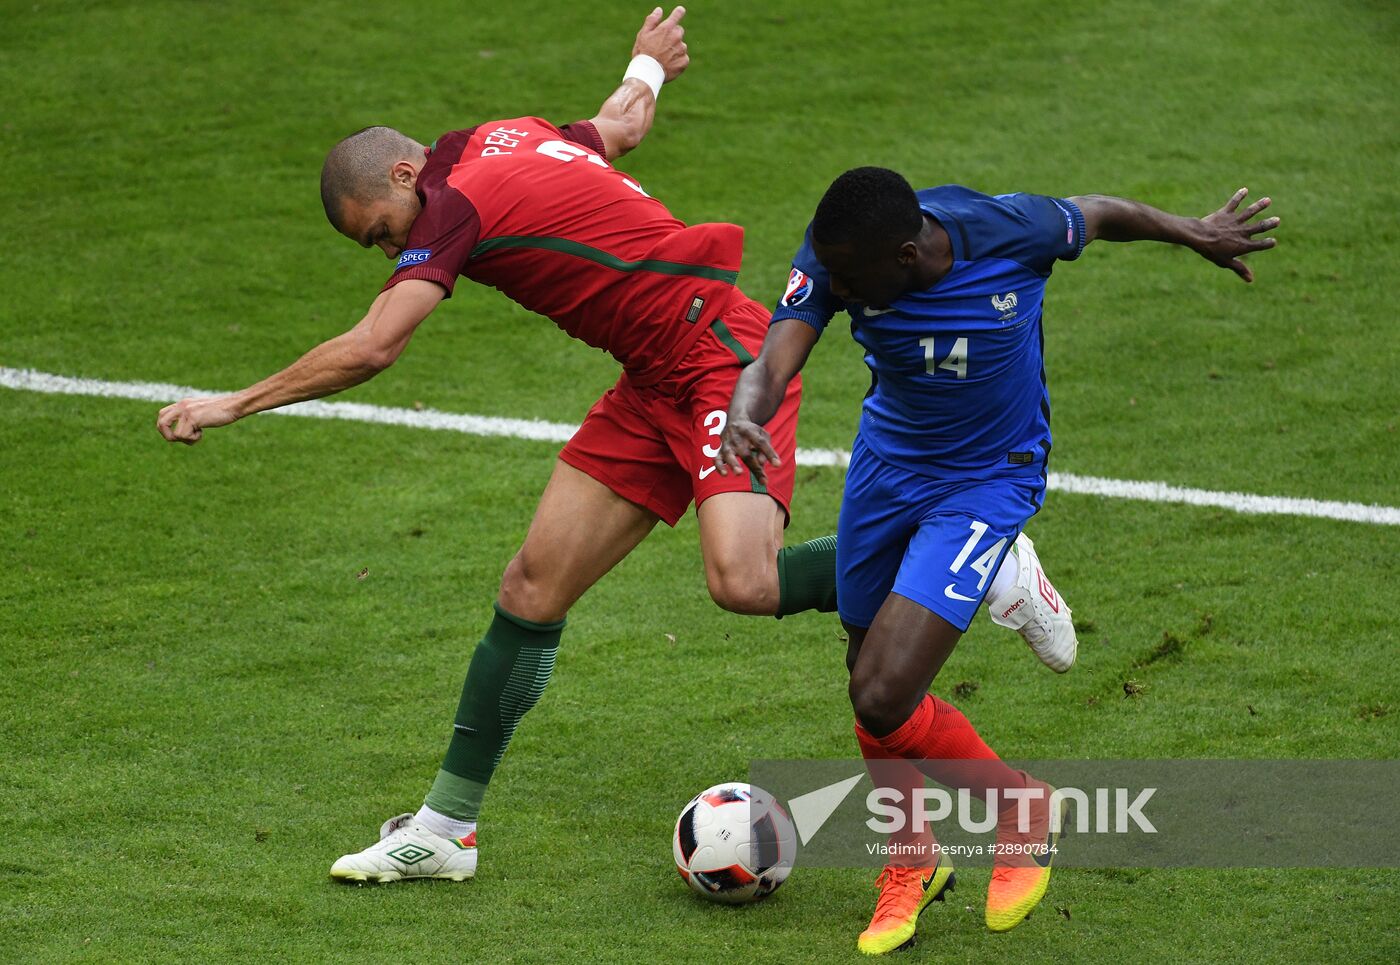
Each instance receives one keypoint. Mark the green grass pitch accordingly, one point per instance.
(202, 706)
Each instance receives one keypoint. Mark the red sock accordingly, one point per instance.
(913, 847)
(949, 750)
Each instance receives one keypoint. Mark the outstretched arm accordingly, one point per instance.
(333, 366)
(1220, 237)
(626, 116)
(757, 395)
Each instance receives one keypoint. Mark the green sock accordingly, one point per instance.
(807, 576)
(507, 675)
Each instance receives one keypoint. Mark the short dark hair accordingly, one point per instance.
(867, 205)
(358, 168)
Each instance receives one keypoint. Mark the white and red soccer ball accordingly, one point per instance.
(734, 843)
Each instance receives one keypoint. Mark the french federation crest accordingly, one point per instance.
(1006, 304)
(799, 287)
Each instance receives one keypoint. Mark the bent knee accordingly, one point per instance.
(881, 705)
(529, 593)
(741, 590)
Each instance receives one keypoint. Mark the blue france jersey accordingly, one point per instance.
(958, 381)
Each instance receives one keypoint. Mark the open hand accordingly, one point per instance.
(744, 443)
(662, 39)
(186, 420)
(1228, 233)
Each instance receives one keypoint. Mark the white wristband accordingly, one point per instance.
(649, 71)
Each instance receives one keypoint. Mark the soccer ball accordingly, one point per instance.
(734, 843)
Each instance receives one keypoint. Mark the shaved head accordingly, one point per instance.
(359, 169)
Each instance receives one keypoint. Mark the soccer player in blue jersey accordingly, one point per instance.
(944, 289)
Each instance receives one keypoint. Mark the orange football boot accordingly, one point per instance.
(904, 894)
(1021, 862)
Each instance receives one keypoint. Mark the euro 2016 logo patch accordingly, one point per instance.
(799, 286)
(413, 256)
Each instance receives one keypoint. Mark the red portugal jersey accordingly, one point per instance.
(535, 211)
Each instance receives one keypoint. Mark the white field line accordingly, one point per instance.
(534, 429)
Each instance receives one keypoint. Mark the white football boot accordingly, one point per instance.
(407, 849)
(1034, 610)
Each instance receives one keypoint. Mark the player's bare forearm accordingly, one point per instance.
(757, 395)
(626, 116)
(764, 382)
(745, 442)
(328, 368)
(1108, 218)
(1220, 237)
(350, 358)
(333, 366)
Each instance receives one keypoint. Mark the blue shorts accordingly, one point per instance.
(938, 542)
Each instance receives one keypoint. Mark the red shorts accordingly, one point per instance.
(656, 445)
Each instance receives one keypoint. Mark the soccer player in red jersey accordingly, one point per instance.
(538, 212)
